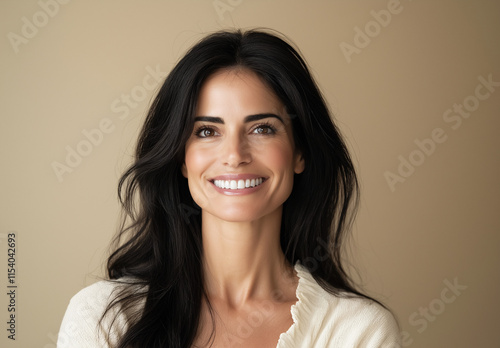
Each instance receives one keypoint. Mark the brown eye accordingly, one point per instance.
(264, 130)
(205, 132)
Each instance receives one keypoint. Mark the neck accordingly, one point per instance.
(243, 261)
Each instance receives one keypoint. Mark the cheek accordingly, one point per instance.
(280, 157)
(195, 161)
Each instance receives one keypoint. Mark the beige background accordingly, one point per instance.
(441, 225)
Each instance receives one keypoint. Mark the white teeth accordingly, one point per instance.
(238, 184)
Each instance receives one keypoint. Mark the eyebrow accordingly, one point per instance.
(247, 119)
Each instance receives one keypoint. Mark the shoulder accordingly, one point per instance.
(361, 322)
(82, 325)
(322, 319)
(92, 301)
(96, 294)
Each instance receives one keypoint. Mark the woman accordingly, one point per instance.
(238, 202)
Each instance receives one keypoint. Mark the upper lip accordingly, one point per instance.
(237, 177)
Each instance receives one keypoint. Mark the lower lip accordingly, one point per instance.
(238, 192)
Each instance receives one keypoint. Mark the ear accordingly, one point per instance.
(184, 170)
(300, 164)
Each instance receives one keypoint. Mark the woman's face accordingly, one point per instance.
(240, 159)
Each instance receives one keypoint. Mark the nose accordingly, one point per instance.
(236, 151)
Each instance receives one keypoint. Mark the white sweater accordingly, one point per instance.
(319, 319)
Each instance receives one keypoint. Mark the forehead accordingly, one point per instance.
(236, 92)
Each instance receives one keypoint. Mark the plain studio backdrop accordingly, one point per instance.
(413, 85)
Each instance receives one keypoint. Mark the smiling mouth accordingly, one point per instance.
(238, 184)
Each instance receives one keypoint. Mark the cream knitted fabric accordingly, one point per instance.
(320, 319)
(323, 320)
(81, 327)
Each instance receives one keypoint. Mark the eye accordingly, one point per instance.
(205, 132)
(264, 129)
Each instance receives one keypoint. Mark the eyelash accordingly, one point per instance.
(264, 125)
(201, 129)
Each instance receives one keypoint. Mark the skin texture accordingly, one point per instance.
(247, 278)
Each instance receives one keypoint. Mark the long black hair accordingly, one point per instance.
(159, 247)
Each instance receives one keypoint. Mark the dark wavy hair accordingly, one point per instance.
(159, 249)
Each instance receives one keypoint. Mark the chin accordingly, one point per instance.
(237, 215)
(242, 213)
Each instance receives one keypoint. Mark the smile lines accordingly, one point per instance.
(238, 184)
